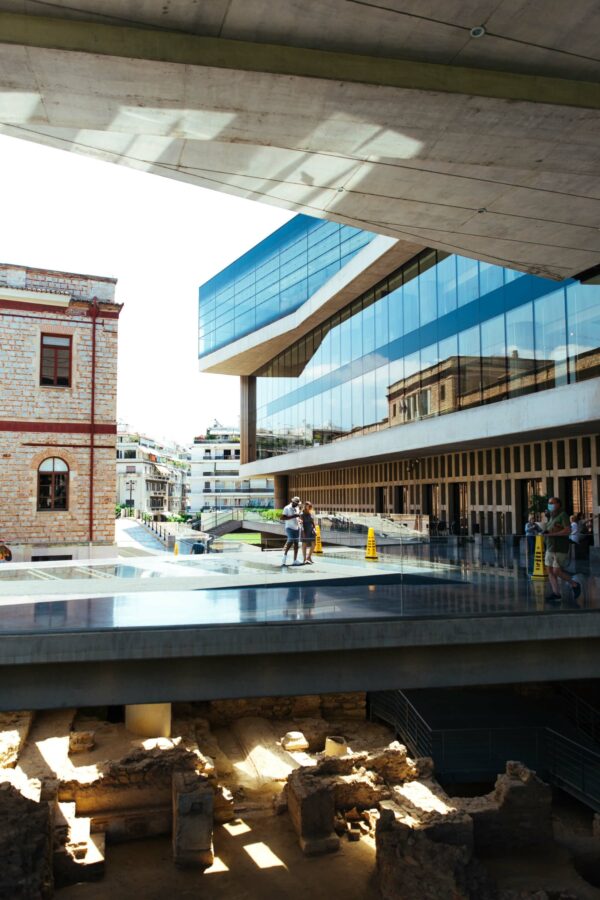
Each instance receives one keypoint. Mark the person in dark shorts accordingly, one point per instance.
(291, 517)
(557, 529)
(309, 534)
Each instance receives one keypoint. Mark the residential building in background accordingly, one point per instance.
(58, 369)
(152, 476)
(407, 381)
(215, 473)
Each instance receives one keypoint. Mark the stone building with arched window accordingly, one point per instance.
(58, 369)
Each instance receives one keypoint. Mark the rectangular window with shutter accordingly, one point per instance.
(55, 360)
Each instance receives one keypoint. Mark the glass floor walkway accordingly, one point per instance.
(253, 589)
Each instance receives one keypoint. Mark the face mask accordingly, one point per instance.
(551, 507)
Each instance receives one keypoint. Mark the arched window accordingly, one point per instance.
(53, 484)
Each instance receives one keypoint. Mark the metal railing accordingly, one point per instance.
(403, 527)
(499, 553)
(210, 520)
(573, 767)
(479, 753)
(582, 714)
(394, 708)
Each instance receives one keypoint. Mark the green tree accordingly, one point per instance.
(538, 504)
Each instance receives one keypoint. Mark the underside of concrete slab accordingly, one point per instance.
(418, 130)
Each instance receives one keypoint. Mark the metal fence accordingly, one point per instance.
(478, 754)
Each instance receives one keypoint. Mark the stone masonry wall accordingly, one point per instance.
(32, 406)
(20, 520)
(81, 287)
(22, 395)
(330, 706)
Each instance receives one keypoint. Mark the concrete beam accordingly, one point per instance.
(166, 681)
(162, 665)
(185, 49)
(481, 426)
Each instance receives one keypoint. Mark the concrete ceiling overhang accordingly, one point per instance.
(494, 156)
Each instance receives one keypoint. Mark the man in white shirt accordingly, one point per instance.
(291, 517)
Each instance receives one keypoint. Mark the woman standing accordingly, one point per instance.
(532, 529)
(309, 534)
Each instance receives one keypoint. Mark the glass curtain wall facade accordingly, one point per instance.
(274, 278)
(442, 333)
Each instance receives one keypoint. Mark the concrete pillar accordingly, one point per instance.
(247, 419)
(280, 484)
(149, 719)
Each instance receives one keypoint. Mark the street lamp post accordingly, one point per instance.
(130, 486)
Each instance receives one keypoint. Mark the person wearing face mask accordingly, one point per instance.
(557, 529)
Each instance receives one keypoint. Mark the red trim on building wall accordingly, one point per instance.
(61, 311)
(70, 446)
(94, 315)
(60, 427)
(33, 307)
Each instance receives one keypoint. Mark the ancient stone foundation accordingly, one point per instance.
(326, 706)
(192, 820)
(71, 782)
(426, 842)
(55, 816)
(517, 813)
(25, 846)
(358, 781)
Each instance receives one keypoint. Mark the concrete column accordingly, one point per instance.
(280, 484)
(149, 719)
(247, 418)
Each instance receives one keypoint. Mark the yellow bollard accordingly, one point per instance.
(176, 549)
(539, 572)
(318, 544)
(371, 546)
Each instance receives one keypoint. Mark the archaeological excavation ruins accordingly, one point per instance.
(340, 807)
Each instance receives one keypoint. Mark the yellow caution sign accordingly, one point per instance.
(318, 544)
(371, 546)
(176, 549)
(539, 572)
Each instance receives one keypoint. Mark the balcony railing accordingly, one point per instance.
(243, 491)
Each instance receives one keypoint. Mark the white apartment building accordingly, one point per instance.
(215, 481)
(152, 477)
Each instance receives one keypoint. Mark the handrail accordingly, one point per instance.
(573, 767)
(562, 760)
(575, 744)
(584, 716)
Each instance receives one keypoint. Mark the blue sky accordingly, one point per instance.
(161, 239)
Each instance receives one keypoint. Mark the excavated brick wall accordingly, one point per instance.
(330, 706)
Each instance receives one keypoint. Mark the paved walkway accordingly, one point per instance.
(135, 540)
